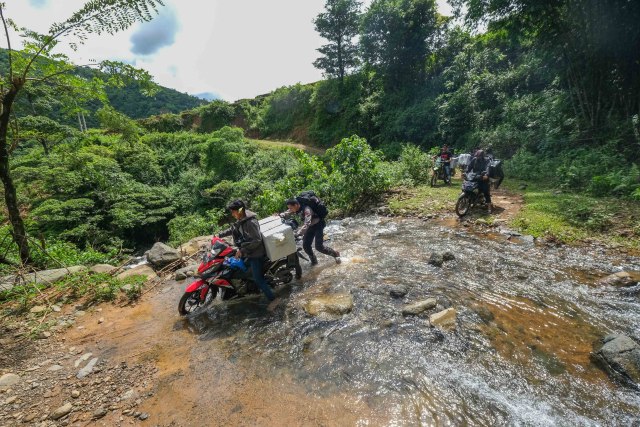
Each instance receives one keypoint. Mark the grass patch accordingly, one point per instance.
(573, 218)
(424, 199)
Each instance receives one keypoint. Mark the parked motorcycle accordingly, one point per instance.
(438, 172)
(215, 277)
(471, 195)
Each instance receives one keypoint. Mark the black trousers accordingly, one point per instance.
(316, 232)
(484, 187)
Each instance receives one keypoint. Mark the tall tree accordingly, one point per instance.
(36, 64)
(47, 132)
(339, 24)
(398, 36)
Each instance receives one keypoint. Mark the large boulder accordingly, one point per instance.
(102, 268)
(185, 272)
(619, 356)
(419, 307)
(436, 259)
(337, 304)
(161, 255)
(7, 283)
(141, 270)
(444, 319)
(194, 245)
(623, 278)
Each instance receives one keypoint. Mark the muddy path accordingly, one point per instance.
(528, 317)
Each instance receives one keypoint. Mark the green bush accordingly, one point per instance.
(356, 173)
(184, 228)
(415, 164)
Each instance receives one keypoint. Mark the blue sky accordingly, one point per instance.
(232, 48)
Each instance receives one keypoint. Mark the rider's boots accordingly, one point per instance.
(336, 256)
(313, 259)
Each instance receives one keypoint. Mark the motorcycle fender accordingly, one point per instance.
(291, 260)
(195, 285)
(222, 282)
(462, 195)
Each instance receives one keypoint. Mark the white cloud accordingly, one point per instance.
(237, 49)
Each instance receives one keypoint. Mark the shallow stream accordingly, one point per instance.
(527, 318)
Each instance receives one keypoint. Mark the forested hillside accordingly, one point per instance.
(127, 100)
(553, 88)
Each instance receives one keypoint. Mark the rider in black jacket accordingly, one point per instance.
(481, 165)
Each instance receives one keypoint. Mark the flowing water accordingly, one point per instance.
(527, 318)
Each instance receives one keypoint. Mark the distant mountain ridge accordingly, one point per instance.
(127, 100)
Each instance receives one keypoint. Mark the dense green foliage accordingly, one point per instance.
(553, 87)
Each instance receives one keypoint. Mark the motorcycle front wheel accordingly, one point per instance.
(463, 206)
(434, 178)
(192, 301)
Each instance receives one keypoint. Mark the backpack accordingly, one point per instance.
(309, 198)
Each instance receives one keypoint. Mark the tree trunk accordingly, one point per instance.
(10, 196)
(45, 146)
(84, 122)
(79, 122)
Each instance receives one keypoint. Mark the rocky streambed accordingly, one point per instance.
(431, 323)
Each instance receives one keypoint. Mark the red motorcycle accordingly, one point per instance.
(215, 277)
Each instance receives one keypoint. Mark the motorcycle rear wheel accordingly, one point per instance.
(463, 206)
(192, 301)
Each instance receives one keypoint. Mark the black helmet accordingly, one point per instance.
(480, 154)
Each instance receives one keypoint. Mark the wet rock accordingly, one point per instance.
(444, 319)
(484, 313)
(7, 380)
(100, 412)
(528, 239)
(436, 259)
(102, 268)
(619, 356)
(384, 210)
(448, 256)
(194, 245)
(161, 255)
(141, 270)
(346, 222)
(87, 369)
(622, 279)
(398, 291)
(61, 411)
(311, 343)
(419, 307)
(185, 272)
(337, 304)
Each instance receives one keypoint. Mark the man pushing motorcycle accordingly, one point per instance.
(313, 212)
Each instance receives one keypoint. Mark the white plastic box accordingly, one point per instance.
(464, 159)
(278, 238)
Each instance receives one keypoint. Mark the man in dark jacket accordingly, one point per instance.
(247, 236)
(481, 165)
(312, 228)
